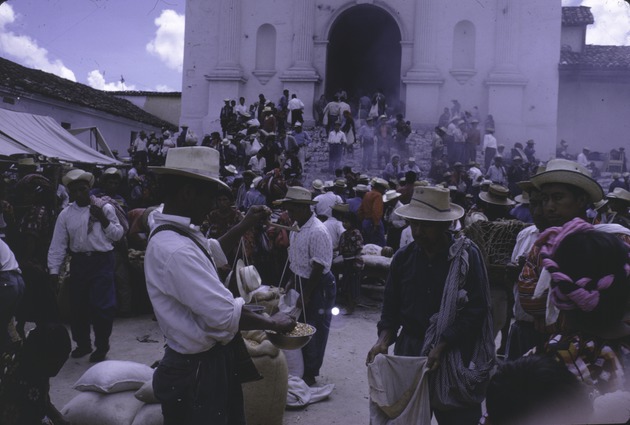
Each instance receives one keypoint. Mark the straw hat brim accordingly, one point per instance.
(612, 195)
(485, 196)
(417, 211)
(520, 200)
(573, 178)
(195, 174)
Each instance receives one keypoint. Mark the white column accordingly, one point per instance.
(302, 76)
(229, 33)
(424, 79)
(304, 21)
(424, 45)
(228, 65)
(506, 48)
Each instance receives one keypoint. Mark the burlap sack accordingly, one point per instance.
(265, 399)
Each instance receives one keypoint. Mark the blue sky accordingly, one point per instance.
(95, 42)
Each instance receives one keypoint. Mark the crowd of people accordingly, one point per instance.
(559, 296)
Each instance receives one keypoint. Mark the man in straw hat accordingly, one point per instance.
(371, 213)
(199, 316)
(310, 259)
(421, 300)
(618, 203)
(88, 230)
(566, 189)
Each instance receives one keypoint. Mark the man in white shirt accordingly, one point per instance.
(87, 229)
(336, 141)
(328, 199)
(310, 259)
(582, 157)
(198, 381)
(140, 152)
(296, 110)
(11, 291)
(489, 147)
(258, 163)
(332, 112)
(241, 109)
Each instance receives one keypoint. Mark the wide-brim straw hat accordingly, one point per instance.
(340, 183)
(620, 194)
(523, 198)
(377, 181)
(390, 195)
(297, 195)
(342, 208)
(569, 172)
(77, 175)
(361, 188)
(247, 280)
(430, 203)
(317, 184)
(112, 171)
(497, 195)
(197, 162)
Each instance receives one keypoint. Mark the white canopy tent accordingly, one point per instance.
(22, 132)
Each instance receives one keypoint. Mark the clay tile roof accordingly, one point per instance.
(580, 15)
(615, 58)
(146, 93)
(20, 79)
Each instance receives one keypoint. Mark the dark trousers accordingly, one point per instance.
(489, 157)
(199, 389)
(372, 234)
(11, 291)
(319, 314)
(368, 154)
(334, 155)
(92, 298)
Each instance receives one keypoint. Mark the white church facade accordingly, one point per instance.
(499, 55)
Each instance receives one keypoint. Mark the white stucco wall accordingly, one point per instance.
(521, 111)
(573, 37)
(115, 130)
(594, 114)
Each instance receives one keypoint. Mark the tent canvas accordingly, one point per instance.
(10, 147)
(45, 136)
(100, 140)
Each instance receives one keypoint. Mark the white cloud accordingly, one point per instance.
(164, 88)
(96, 80)
(168, 43)
(25, 50)
(612, 21)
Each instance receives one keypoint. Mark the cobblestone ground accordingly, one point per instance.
(419, 146)
(316, 164)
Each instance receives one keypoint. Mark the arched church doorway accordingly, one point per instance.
(364, 54)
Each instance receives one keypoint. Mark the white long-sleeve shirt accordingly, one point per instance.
(194, 309)
(337, 137)
(489, 141)
(7, 259)
(71, 234)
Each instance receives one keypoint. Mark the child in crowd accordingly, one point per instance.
(350, 246)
